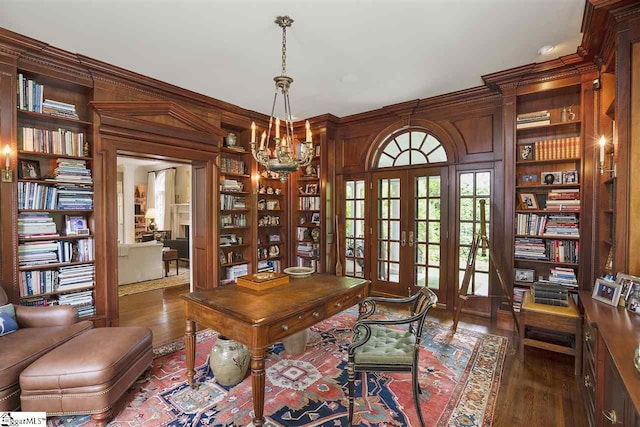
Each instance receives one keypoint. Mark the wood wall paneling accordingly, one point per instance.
(634, 159)
(479, 130)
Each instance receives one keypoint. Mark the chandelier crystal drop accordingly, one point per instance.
(283, 157)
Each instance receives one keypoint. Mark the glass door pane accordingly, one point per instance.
(389, 234)
(427, 226)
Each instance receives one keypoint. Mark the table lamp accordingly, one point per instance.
(151, 215)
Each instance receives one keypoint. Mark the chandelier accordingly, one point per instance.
(283, 158)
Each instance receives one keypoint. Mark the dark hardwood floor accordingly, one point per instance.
(539, 391)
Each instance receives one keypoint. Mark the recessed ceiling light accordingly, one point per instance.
(545, 49)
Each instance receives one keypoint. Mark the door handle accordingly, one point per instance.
(411, 239)
(403, 238)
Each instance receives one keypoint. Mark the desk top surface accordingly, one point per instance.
(259, 307)
(620, 330)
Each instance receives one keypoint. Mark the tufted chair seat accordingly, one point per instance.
(385, 346)
(389, 345)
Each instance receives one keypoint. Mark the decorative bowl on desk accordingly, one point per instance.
(299, 272)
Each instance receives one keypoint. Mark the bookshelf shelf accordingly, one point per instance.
(231, 264)
(535, 261)
(547, 211)
(239, 193)
(47, 238)
(50, 266)
(547, 161)
(23, 114)
(239, 175)
(547, 236)
(52, 156)
(49, 294)
(56, 210)
(533, 129)
(44, 181)
(228, 150)
(546, 187)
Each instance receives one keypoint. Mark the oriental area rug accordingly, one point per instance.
(459, 377)
(173, 279)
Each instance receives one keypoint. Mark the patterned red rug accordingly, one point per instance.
(459, 376)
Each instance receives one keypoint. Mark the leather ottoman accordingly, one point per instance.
(87, 374)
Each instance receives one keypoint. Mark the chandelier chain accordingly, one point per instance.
(284, 51)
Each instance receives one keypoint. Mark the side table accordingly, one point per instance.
(167, 257)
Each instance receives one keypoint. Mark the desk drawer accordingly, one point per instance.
(295, 323)
(590, 340)
(343, 302)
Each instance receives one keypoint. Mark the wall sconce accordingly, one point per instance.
(7, 173)
(603, 143)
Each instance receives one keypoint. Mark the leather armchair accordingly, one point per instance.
(40, 329)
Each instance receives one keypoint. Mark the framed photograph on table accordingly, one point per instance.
(607, 292)
(528, 201)
(628, 283)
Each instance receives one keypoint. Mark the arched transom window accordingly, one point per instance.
(414, 147)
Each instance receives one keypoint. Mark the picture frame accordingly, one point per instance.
(551, 178)
(628, 283)
(633, 301)
(524, 275)
(76, 226)
(222, 258)
(311, 189)
(528, 201)
(274, 238)
(526, 152)
(228, 239)
(29, 169)
(529, 179)
(315, 218)
(607, 292)
(570, 177)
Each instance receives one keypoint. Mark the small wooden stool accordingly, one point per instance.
(553, 318)
(167, 257)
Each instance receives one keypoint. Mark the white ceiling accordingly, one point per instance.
(345, 57)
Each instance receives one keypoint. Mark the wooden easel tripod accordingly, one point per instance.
(480, 240)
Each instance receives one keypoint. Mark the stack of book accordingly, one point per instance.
(545, 293)
(536, 118)
(555, 149)
(530, 249)
(75, 277)
(59, 109)
(269, 265)
(29, 94)
(33, 195)
(37, 253)
(234, 272)
(81, 301)
(231, 185)
(562, 225)
(36, 224)
(564, 200)
(73, 170)
(563, 276)
(61, 141)
(308, 249)
(75, 197)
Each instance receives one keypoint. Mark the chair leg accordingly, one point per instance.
(352, 377)
(416, 398)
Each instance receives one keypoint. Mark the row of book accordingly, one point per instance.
(62, 141)
(30, 94)
(64, 279)
(53, 252)
(547, 225)
(82, 302)
(533, 119)
(269, 265)
(547, 250)
(309, 203)
(308, 262)
(230, 202)
(551, 149)
(238, 220)
(229, 165)
(36, 224)
(567, 199)
(34, 195)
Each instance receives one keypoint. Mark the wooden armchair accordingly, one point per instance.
(378, 347)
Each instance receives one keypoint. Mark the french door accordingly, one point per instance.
(409, 213)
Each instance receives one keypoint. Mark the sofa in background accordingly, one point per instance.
(40, 330)
(138, 262)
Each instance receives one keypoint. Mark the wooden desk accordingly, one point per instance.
(167, 257)
(558, 319)
(258, 319)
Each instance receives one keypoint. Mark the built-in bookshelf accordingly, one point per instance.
(139, 210)
(236, 215)
(548, 189)
(272, 222)
(308, 210)
(54, 185)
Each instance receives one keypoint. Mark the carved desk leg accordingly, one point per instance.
(257, 385)
(190, 349)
